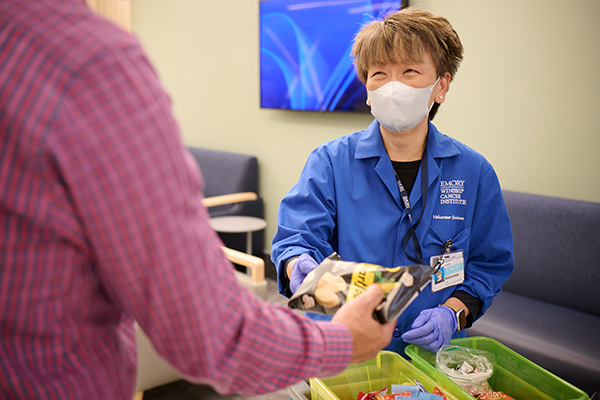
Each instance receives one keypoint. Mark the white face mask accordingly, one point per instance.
(400, 107)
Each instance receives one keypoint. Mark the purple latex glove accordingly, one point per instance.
(432, 329)
(304, 264)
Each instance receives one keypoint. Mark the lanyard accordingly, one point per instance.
(413, 226)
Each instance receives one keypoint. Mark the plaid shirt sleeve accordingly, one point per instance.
(139, 199)
(116, 196)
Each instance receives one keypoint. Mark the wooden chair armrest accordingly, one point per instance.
(255, 264)
(239, 197)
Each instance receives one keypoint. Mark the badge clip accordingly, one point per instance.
(449, 269)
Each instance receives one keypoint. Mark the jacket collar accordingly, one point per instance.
(370, 143)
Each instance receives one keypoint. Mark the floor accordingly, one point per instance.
(182, 390)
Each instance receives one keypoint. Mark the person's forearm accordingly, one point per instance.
(235, 342)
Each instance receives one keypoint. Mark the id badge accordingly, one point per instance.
(451, 272)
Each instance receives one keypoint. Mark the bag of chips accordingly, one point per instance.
(335, 282)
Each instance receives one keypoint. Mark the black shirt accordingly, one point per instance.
(407, 172)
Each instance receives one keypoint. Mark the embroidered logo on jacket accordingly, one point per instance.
(452, 191)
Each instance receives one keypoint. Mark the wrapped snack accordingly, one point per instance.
(439, 393)
(412, 389)
(335, 282)
(495, 396)
(377, 395)
(413, 392)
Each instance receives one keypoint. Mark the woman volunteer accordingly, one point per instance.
(395, 193)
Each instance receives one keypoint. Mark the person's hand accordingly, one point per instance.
(368, 335)
(432, 329)
(302, 266)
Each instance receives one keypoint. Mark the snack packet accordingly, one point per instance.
(495, 396)
(377, 395)
(413, 392)
(439, 393)
(335, 282)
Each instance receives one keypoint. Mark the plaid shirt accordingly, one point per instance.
(101, 223)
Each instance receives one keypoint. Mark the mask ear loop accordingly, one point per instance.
(433, 102)
(430, 107)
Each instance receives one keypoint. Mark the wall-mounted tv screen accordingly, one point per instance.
(305, 61)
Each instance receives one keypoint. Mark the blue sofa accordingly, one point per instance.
(227, 172)
(549, 309)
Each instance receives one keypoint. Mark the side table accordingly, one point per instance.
(239, 224)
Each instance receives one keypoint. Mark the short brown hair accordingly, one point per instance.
(403, 36)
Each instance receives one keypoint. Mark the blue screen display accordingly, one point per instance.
(305, 61)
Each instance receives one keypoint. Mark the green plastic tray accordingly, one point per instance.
(386, 369)
(513, 374)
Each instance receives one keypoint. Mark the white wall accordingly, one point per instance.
(526, 95)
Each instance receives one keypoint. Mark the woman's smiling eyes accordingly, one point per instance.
(405, 72)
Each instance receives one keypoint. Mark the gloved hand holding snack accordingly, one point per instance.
(302, 266)
(432, 329)
(335, 282)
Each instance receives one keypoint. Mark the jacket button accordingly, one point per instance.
(397, 333)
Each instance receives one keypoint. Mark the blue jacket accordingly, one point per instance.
(347, 201)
